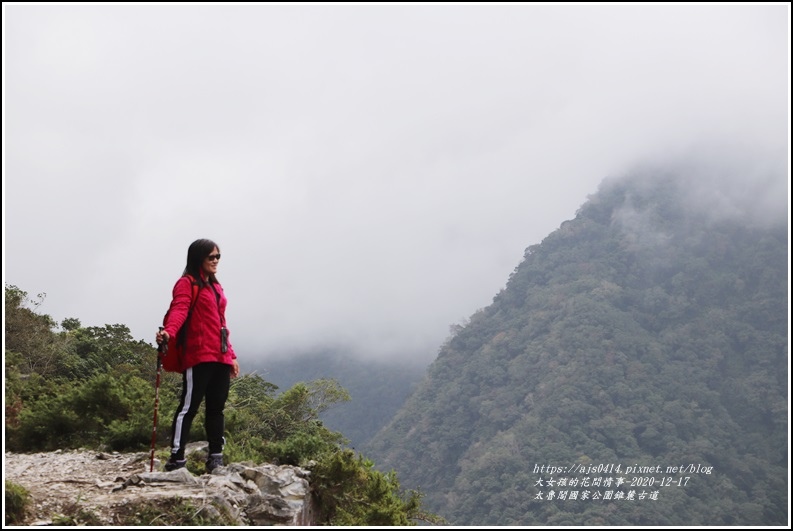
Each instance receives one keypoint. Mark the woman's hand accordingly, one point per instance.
(235, 368)
(162, 335)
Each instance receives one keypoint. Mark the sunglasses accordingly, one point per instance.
(213, 257)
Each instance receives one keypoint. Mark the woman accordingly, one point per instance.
(209, 361)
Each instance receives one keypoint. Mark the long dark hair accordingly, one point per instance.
(196, 254)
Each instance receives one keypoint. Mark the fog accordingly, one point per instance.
(371, 173)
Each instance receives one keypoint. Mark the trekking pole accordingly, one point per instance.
(162, 349)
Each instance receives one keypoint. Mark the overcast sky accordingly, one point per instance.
(372, 173)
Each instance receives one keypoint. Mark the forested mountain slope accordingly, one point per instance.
(650, 331)
(377, 388)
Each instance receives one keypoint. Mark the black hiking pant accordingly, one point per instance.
(205, 381)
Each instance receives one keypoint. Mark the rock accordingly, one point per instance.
(248, 494)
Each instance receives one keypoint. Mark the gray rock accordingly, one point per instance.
(249, 494)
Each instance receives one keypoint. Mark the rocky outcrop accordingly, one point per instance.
(251, 495)
(106, 485)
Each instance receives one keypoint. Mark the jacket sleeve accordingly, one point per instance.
(180, 306)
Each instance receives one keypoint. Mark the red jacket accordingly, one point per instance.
(203, 330)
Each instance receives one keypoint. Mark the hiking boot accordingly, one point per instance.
(214, 461)
(175, 464)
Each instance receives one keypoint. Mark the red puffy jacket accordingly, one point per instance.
(203, 330)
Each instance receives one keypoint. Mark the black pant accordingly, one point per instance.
(210, 380)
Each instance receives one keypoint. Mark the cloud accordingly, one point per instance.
(372, 173)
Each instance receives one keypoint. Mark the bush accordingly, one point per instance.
(173, 512)
(350, 492)
(101, 410)
(17, 499)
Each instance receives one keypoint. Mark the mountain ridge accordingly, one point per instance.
(651, 330)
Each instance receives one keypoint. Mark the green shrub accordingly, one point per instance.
(104, 409)
(17, 499)
(76, 515)
(350, 492)
(172, 512)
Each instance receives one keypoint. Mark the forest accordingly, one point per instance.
(377, 388)
(649, 333)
